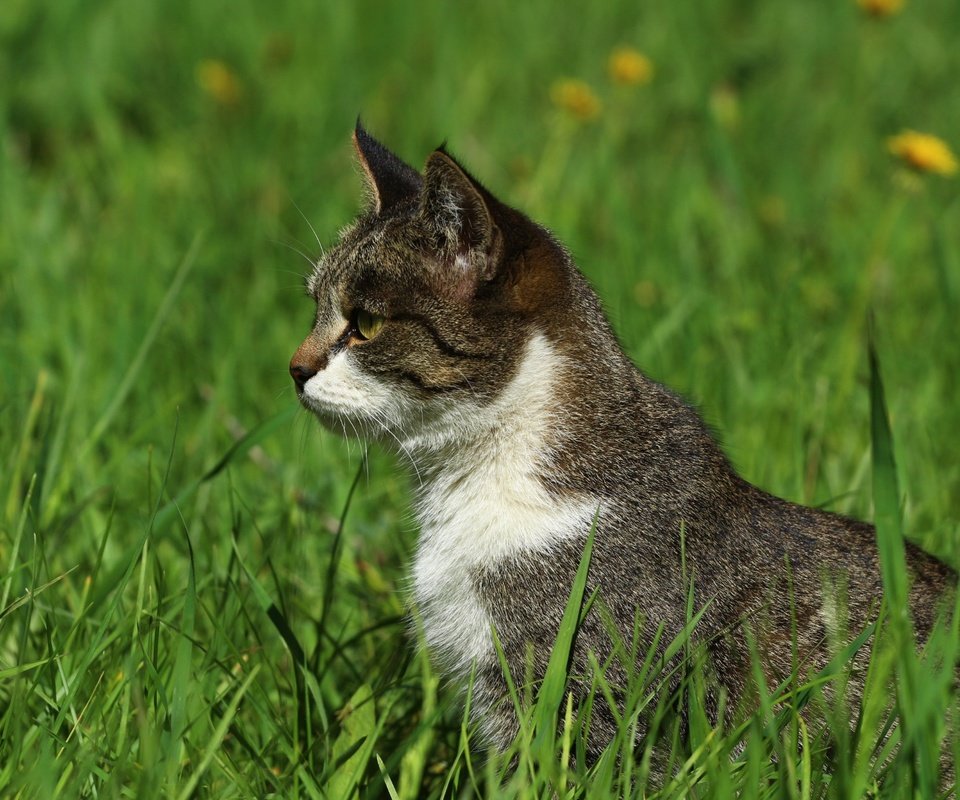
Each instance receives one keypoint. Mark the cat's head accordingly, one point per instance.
(425, 304)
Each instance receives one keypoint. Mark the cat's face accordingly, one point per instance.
(421, 311)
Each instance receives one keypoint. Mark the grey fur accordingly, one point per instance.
(463, 282)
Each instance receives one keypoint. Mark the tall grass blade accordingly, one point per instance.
(354, 744)
(550, 696)
(886, 499)
(181, 678)
(239, 448)
(217, 738)
(23, 451)
(921, 745)
(133, 370)
(15, 551)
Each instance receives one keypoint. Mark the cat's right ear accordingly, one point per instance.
(389, 179)
(455, 208)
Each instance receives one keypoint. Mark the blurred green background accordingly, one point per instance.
(162, 169)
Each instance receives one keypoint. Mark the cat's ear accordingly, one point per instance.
(389, 179)
(456, 208)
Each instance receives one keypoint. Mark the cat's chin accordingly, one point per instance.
(343, 423)
(432, 429)
(332, 418)
(336, 421)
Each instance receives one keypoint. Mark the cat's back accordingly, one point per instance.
(804, 568)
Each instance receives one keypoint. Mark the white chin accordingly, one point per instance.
(330, 416)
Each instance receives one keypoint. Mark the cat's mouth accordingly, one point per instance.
(336, 418)
(350, 420)
(328, 411)
(354, 403)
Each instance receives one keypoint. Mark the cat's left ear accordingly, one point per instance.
(456, 208)
(389, 179)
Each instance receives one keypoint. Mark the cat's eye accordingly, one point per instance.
(366, 324)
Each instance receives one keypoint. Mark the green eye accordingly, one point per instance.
(367, 325)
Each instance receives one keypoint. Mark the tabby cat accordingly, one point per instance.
(459, 331)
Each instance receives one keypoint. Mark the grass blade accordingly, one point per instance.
(133, 371)
(550, 696)
(893, 569)
(219, 732)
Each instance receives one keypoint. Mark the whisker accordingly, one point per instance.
(311, 261)
(403, 448)
(309, 225)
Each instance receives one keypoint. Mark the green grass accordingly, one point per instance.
(202, 591)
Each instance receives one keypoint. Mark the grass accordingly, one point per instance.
(202, 592)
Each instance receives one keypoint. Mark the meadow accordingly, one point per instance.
(202, 592)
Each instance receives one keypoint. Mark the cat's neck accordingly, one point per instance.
(480, 485)
(522, 416)
(482, 501)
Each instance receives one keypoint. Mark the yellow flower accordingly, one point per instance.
(576, 98)
(923, 152)
(880, 8)
(219, 82)
(630, 67)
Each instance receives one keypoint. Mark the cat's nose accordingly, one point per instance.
(301, 373)
(309, 359)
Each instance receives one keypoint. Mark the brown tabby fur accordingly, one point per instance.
(464, 283)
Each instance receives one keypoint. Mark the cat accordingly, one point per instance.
(455, 329)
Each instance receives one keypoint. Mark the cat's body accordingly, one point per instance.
(461, 332)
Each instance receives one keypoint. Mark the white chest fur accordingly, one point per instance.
(483, 503)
